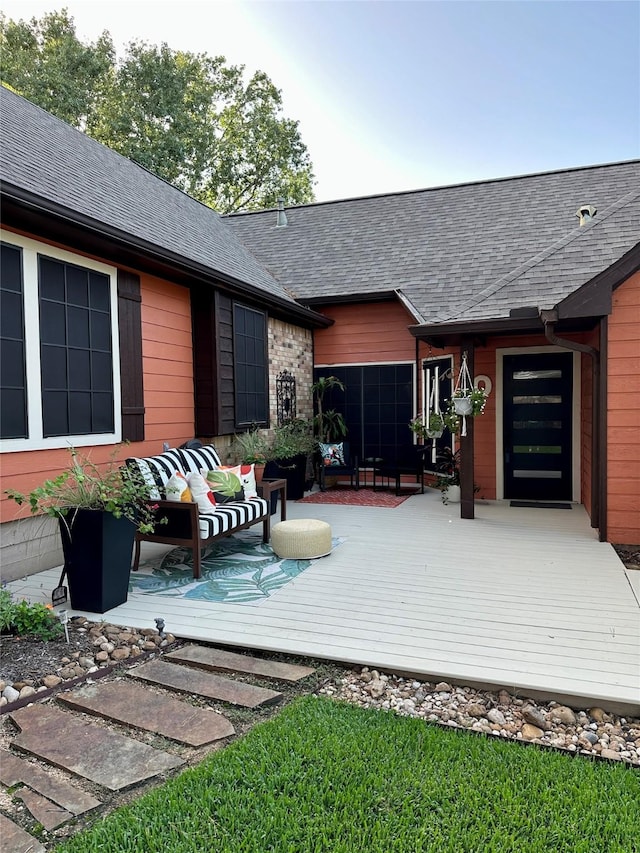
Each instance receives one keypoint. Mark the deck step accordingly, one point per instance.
(88, 749)
(221, 660)
(136, 705)
(194, 681)
(14, 770)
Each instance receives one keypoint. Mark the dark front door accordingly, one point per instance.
(538, 398)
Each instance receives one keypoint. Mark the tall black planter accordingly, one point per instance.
(97, 551)
(293, 470)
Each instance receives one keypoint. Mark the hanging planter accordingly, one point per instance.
(462, 405)
(431, 424)
(466, 401)
(435, 427)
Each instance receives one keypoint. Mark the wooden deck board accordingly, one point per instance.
(522, 598)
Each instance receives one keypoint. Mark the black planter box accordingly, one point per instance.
(293, 470)
(97, 551)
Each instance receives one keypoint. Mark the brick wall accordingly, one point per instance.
(291, 348)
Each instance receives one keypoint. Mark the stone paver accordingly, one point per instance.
(136, 705)
(222, 660)
(13, 839)
(194, 681)
(14, 770)
(44, 811)
(88, 749)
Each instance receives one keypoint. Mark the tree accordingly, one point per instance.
(46, 62)
(189, 118)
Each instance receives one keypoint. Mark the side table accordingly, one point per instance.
(271, 486)
(372, 463)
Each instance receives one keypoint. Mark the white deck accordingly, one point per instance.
(525, 599)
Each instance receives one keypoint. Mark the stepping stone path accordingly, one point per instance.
(188, 680)
(221, 660)
(88, 749)
(137, 706)
(57, 735)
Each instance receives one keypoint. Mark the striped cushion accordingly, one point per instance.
(156, 470)
(231, 515)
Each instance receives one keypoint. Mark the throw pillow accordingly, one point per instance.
(247, 476)
(177, 488)
(332, 454)
(225, 485)
(201, 493)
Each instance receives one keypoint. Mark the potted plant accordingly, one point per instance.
(99, 510)
(469, 403)
(448, 480)
(292, 445)
(433, 427)
(328, 425)
(251, 448)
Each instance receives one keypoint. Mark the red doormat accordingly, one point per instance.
(351, 497)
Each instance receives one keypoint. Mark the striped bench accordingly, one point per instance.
(186, 526)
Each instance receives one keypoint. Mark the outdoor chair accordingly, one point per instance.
(408, 461)
(335, 460)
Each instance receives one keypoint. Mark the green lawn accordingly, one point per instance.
(327, 776)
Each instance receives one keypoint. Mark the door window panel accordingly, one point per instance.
(537, 374)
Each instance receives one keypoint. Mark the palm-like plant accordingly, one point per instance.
(330, 423)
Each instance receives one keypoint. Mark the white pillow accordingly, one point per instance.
(177, 488)
(201, 493)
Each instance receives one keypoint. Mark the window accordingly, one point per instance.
(250, 366)
(60, 365)
(75, 349)
(13, 380)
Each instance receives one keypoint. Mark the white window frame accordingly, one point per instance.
(36, 440)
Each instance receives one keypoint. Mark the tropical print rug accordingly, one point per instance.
(351, 497)
(238, 569)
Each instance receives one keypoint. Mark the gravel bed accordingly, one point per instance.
(593, 732)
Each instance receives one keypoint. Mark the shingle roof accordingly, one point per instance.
(465, 251)
(45, 156)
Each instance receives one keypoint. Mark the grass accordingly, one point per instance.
(328, 776)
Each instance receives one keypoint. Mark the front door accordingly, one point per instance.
(538, 403)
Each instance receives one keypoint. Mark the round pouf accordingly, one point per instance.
(301, 539)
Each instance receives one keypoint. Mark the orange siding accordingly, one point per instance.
(168, 393)
(623, 413)
(363, 333)
(375, 332)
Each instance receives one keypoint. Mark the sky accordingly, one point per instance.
(393, 95)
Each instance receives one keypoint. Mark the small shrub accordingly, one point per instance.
(28, 620)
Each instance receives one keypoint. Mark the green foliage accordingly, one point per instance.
(191, 119)
(84, 485)
(423, 430)
(27, 620)
(328, 425)
(250, 447)
(326, 776)
(46, 62)
(293, 438)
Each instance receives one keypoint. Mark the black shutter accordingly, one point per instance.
(212, 322)
(130, 327)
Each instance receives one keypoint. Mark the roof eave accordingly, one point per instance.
(27, 211)
(454, 333)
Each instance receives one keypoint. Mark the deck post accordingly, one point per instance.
(467, 508)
